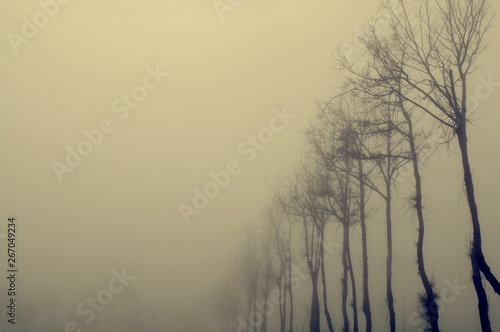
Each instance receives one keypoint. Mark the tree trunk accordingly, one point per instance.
(390, 297)
(345, 286)
(362, 217)
(461, 131)
(353, 286)
(323, 279)
(314, 323)
(283, 322)
(249, 311)
(431, 305)
(290, 274)
(255, 309)
(266, 298)
(280, 306)
(388, 198)
(481, 295)
(476, 255)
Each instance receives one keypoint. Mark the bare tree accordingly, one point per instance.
(387, 156)
(403, 122)
(299, 198)
(352, 124)
(331, 140)
(431, 50)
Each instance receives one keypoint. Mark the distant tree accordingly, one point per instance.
(334, 125)
(331, 140)
(299, 199)
(277, 228)
(267, 273)
(248, 273)
(226, 302)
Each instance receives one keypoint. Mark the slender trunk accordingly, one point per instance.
(476, 255)
(266, 298)
(362, 217)
(290, 273)
(390, 297)
(280, 306)
(283, 322)
(345, 288)
(323, 279)
(284, 294)
(461, 131)
(388, 201)
(249, 310)
(314, 324)
(478, 261)
(255, 309)
(252, 312)
(431, 305)
(353, 286)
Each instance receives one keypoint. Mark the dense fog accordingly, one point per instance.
(149, 145)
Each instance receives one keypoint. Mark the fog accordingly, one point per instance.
(212, 80)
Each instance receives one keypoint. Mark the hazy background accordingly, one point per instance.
(119, 208)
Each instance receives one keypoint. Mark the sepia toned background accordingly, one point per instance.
(119, 208)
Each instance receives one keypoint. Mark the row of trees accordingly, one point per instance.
(403, 93)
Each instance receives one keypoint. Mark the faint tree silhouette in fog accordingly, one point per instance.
(226, 301)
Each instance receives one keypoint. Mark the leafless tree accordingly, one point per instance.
(330, 141)
(299, 198)
(417, 144)
(348, 125)
(430, 51)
